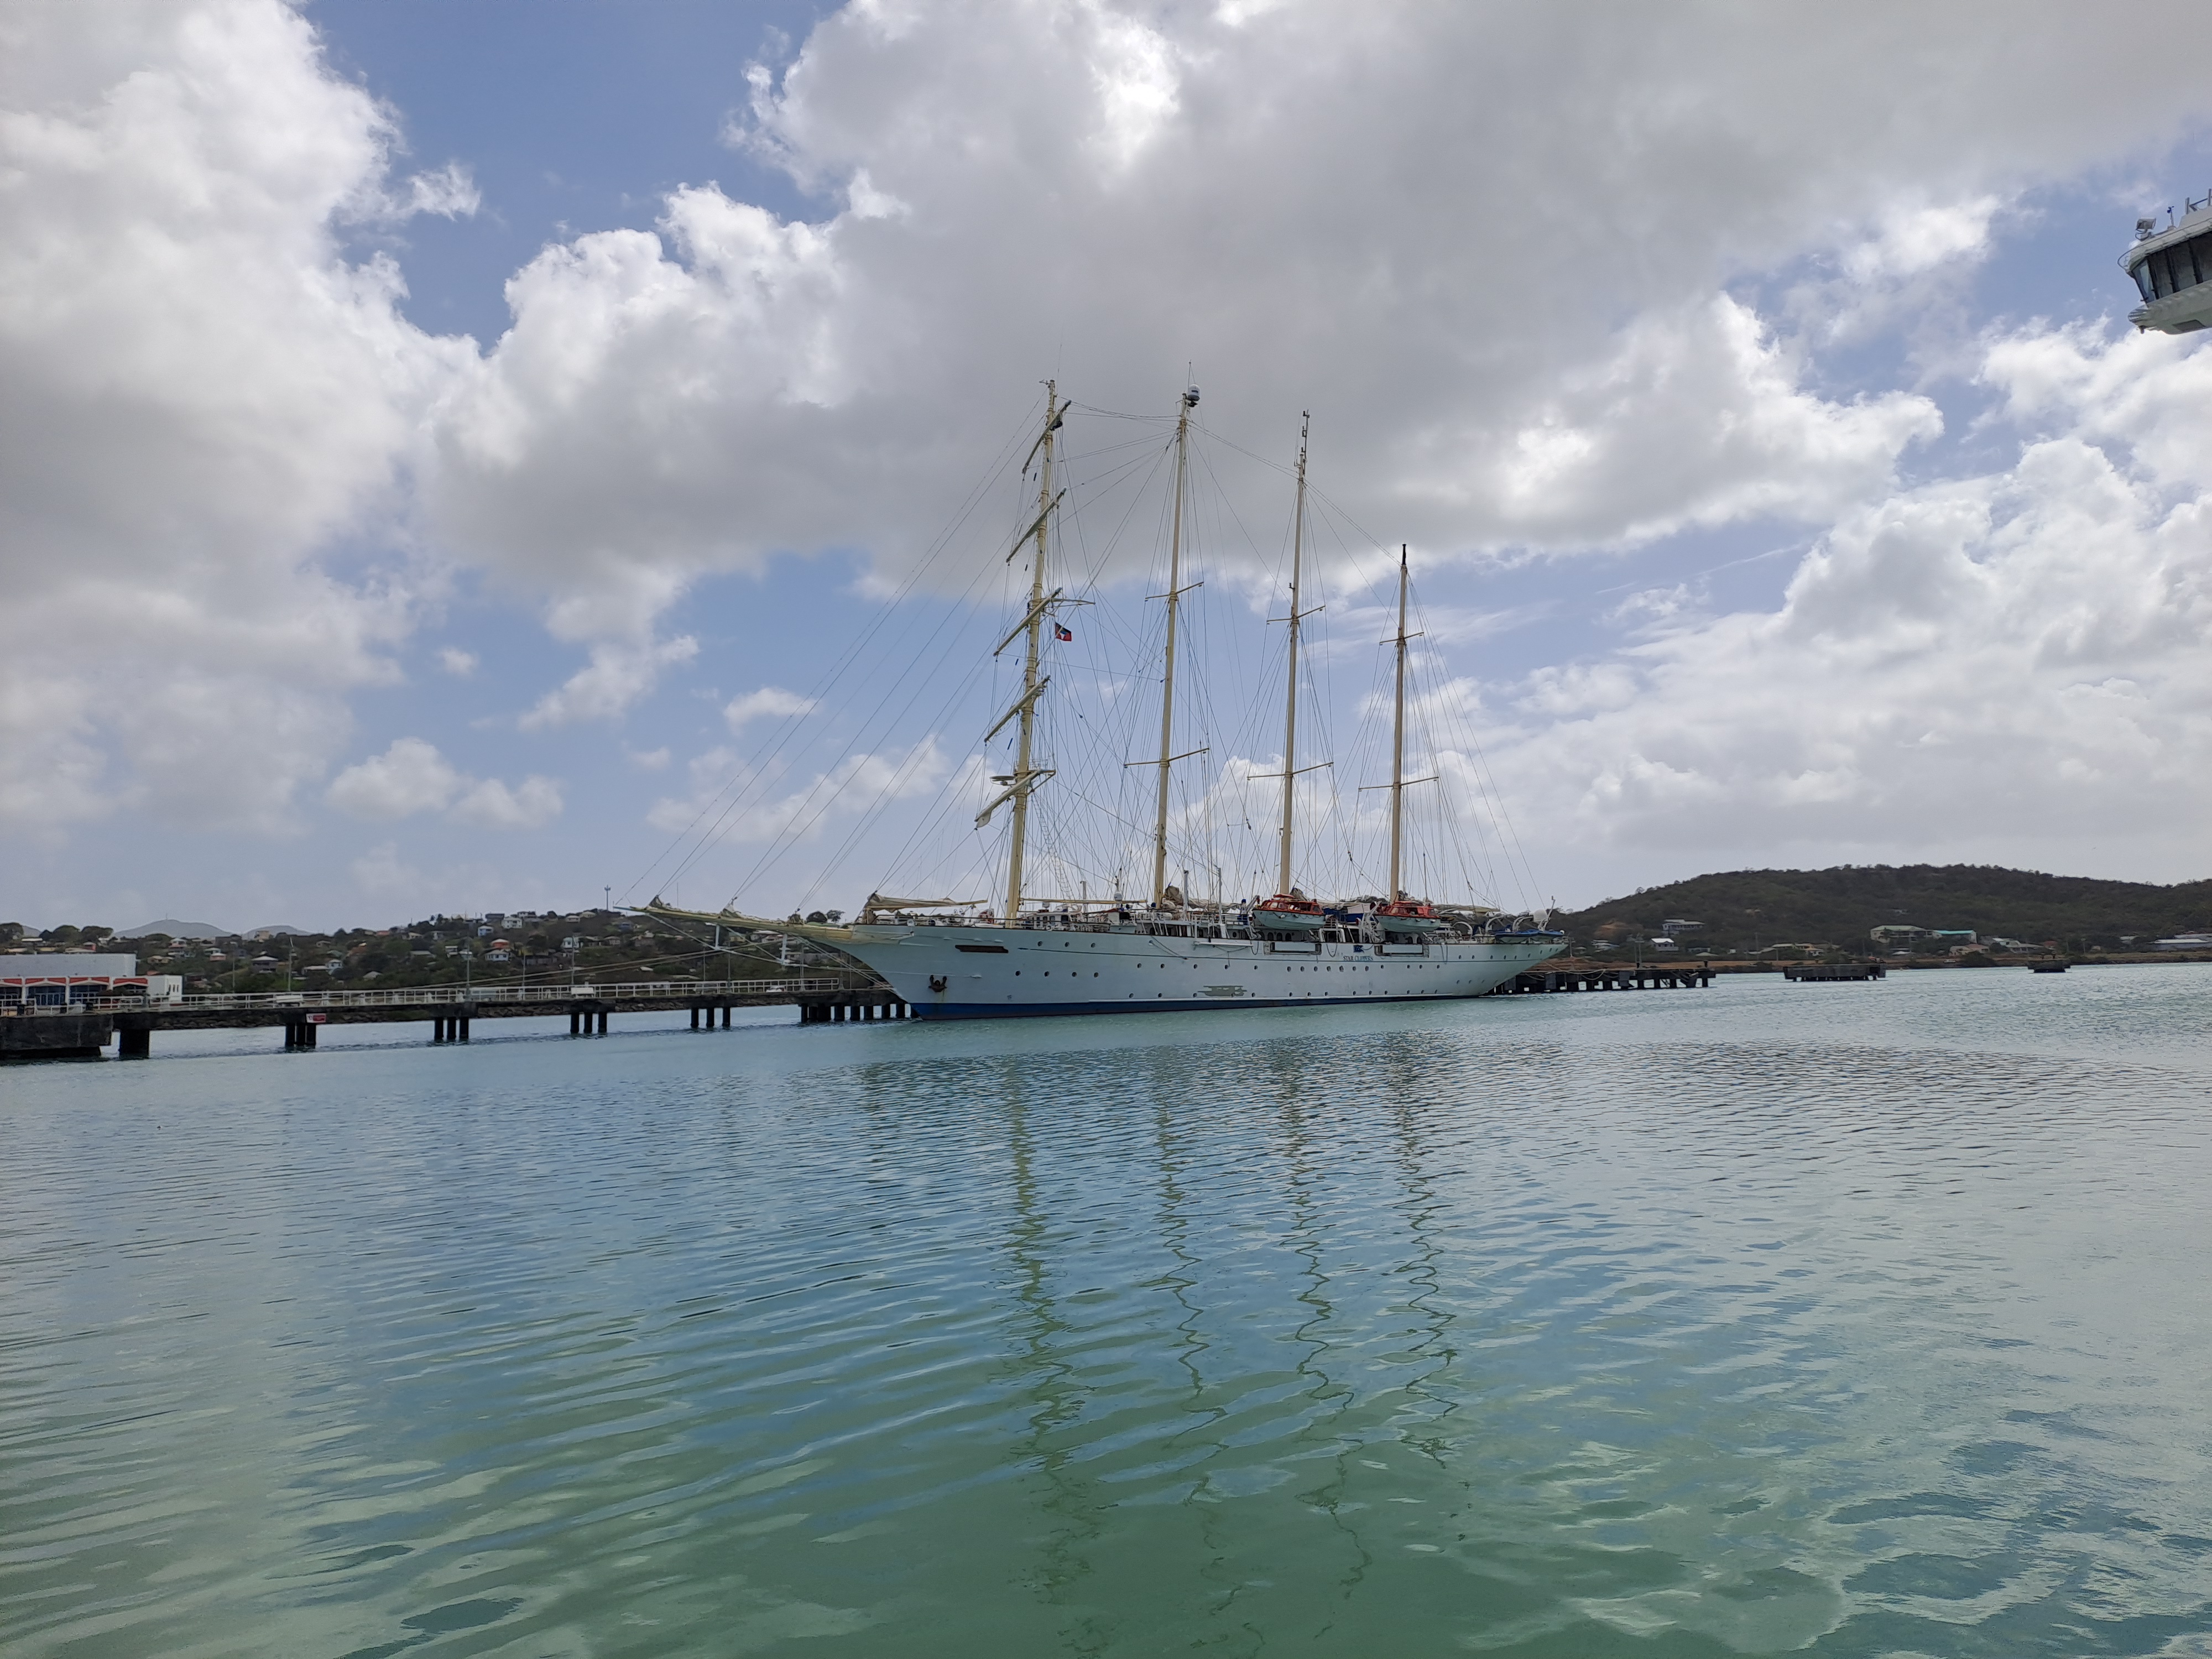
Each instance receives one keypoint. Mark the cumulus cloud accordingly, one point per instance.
(1518, 330)
(769, 703)
(448, 191)
(2008, 660)
(617, 675)
(1699, 420)
(380, 873)
(734, 801)
(493, 805)
(1916, 237)
(411, 776)
(199, 391)
(458, 663)
(1514, 326)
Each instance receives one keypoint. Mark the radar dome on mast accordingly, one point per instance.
(2172, 269)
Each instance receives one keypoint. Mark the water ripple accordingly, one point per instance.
(1763, 1319)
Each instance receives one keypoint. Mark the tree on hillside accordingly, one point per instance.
(1840, 906)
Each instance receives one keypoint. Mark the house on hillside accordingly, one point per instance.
(1892, 934)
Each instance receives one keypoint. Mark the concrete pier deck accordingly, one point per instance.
(82, 1030)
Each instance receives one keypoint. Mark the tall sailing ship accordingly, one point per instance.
(951, 959)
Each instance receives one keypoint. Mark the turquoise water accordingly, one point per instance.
(1852, 1319)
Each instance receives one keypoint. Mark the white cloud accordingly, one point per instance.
(449, 192)
(617, 675)
(1916, 238)
(769, 703)
(2003, 666)
(730, 801)
(199, 391)
(381, 873)
(458, 663)
(713, 774)
(1698, 419)
(1511, 325)
(534, 802)
(411, 776)
(1515, 328)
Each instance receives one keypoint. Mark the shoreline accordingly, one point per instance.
(1747, 965)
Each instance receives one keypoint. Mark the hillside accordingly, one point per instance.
(1750, 908)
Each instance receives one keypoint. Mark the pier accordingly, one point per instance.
(877, 1002)
(1828, 972)
(82, 1030)
(1644, 977)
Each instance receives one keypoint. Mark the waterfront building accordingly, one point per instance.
(56, 979)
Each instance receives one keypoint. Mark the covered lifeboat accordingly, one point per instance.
(1405, 919)
(1291, 913)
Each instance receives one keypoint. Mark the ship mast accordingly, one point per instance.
(1398, 744)
(1291, 699)
(1025, 777)
(1173, 596)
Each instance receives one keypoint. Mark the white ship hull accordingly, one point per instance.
(973, 973)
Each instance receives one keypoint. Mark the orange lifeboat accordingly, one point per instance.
(1288, 913)
(1404, 916)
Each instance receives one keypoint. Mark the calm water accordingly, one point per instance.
(1839, 1319)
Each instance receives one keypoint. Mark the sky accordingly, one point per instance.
(496, 455)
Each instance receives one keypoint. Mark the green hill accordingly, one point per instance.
(1747, 908)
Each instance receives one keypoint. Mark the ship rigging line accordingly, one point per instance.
(974, 499)
(927, 824)
(930, 820)
(776, 848)
(1487, 793)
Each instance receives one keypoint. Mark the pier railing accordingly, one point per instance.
(554, 997)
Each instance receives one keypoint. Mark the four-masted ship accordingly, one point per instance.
(954, 960)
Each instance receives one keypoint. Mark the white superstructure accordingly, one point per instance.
(2172, 271)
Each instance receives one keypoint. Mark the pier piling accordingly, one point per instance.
(1641, 978)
